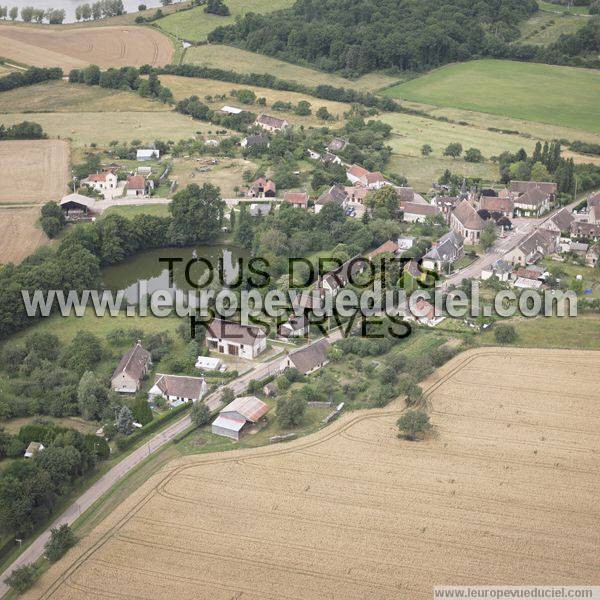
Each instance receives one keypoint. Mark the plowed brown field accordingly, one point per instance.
(19, 233)
(74, 48)
(506, 492)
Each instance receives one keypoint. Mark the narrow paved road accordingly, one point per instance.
(100, 487)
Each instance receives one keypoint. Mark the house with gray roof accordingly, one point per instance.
(238, 415)
(465, 221)
(445, 252)
(235, 339)
(178, 389)
(307, 359)
(132, 368)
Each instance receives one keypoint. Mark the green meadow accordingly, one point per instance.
(566, 96)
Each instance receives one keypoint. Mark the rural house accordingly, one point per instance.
(532, 198)
(101, 181)
(234, 339)
(238, 415)
(560, 222)
(359, 175)
(147, 154)
(336, 193)
(255, 141)
(296, 199)
(271, 124)
(415, 212)
(32, 448)
(534, 247)
(307, 359)
(134, 365)
(465, 221)
(262, 188)
(295, 326)
(137, 185)
(389, 247)
(337, 145)
(445, 252)
(446, 204)
(339, 278)
(178, 389)
(495, 204)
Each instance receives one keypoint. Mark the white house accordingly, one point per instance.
(415, 212)
(147, 154)
(234, 339)
(445, 252)
(295, 326)
(237, 415)
(130, 370)
(137, 185)
(101, 181)
(359, 175)
(178, 389)
(272, 124)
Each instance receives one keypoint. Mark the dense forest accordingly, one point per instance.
(361, 36)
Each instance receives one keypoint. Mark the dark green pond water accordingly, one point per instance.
(147, 267)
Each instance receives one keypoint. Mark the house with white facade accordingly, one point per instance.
(101, 182)
(178, 389)
(235, 339)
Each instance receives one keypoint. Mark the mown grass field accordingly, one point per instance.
(572, 10)
(100, 128)
(156, 210)
(194, 24)
(242, 61)
(422, 172)
(187, 86)
(564, 96)
(545, 27)
(61, 96)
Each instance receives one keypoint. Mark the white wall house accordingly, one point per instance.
(234, 339)
(101, 181)
(178, 389)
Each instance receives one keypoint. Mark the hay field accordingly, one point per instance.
(33, 171)
(73, 48)
(61, 96)
(194, 25)
(86, 128)
(353, 512)
(19, 233)
(529, 91)
(243, 61)
(546, 27)
(188, 86)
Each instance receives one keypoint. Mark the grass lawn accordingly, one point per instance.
(411, 132)
(61, 96)
(95, 127)
(528, 91)
(157, 210)
(422, 172)
(66, 327)
(243, 61)
(194, 25)
(572, 10)
(544, 27)
(187, 86)
(581, 332)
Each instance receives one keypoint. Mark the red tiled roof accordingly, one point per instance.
(136, 182)
(295, 197)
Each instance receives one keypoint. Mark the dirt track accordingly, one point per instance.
(505, 493)
(117, 46)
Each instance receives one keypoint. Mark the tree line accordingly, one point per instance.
(54, 16)
(31, 76)
(99, 10)
(26, 130)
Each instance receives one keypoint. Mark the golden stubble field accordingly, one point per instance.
(33, 171)
(506, 492)
(72, 48)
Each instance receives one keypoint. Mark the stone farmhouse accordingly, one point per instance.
(271, 124)
(296, 199)
(307, 359)
(234, 339)
(532, 198)
(535, 246)
(358, 175)
(132, 368)
(445, 252)
(101, 182)
(178, 389)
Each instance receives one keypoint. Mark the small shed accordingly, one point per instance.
(33, 448)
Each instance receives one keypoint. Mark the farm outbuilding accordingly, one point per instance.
(239, 414)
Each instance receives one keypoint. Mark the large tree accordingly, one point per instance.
(197, 215)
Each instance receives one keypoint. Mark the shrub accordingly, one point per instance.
(22, 579)
(505, 334)
(290, 411)
(61, 539)
(200, 414)
(412, 423)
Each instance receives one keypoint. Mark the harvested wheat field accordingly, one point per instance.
(122, 46)
(505, 492)
(33, 171)
(19, 234)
